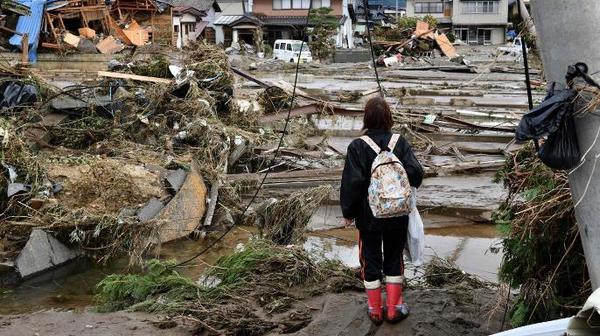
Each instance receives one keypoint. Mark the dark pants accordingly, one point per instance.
(373, 261)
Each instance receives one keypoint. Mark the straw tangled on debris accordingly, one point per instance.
(440, 273)
(542, 249)
(274, 99)
(238, 296)
(284, 221)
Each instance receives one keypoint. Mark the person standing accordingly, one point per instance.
(381, 240)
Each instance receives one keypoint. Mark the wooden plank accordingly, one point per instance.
(134, 77)
(447, 47)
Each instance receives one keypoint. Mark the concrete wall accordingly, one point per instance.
(499, 18)
(266, 7)
(564, 42)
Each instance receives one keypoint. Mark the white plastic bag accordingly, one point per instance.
(415, 238)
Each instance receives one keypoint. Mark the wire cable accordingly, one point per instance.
(367, 15)
(275, 154)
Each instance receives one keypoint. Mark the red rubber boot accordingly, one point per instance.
(375, 312)
(397, 310)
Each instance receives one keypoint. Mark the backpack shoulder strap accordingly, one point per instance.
(371, 143)
(393, 141)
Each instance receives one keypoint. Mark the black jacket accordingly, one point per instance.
(357, 174)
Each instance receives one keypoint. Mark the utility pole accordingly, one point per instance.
(397, 14)
(564, 43)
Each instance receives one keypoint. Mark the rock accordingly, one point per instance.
(342, 314)
(42, 252)
(150, 210)
(183, 213)
(86, 46)
(175, 178)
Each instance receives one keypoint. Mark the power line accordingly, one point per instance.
(276, 153)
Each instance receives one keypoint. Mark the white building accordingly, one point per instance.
(472, 21)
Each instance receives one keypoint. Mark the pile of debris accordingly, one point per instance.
(88, 26)
(422, 42)
(119, 165)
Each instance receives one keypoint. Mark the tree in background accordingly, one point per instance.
(325, 24)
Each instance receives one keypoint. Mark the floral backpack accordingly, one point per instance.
(389, 191)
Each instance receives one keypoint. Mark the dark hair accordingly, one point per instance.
(377, 115)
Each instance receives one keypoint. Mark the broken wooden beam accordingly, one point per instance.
(311, 109)
(133, 77)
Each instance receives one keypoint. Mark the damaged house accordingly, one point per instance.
(191, 20)
(473, 22)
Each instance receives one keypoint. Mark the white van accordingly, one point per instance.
(289, 50)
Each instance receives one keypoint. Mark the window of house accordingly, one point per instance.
(461, 34)
(478, 7)
(321, 3)
(176, 28)
(281, 4)
(429, 7)
(300, 4)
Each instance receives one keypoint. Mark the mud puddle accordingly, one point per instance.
(457, 239)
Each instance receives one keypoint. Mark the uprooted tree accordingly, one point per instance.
(322, 44)
(543, 255)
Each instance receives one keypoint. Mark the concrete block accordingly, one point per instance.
(42, 252)
(175, 178)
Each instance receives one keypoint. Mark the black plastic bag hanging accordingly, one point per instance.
(561, 149)
(547, 117)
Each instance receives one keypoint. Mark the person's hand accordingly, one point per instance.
(347, 222)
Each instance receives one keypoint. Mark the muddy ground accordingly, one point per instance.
(434, 311)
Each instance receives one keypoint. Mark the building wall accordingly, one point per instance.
(498, 35)
(499, 18)
(187, 18)
(266, 7)
(410, 9)
(219, 34)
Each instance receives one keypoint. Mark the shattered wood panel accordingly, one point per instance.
(447, 47)
(118, 31)
(87, 32)
(109, 46)
(423, 30)
(183, 213)
(138, 37)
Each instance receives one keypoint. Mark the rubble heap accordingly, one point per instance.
(119, 165)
